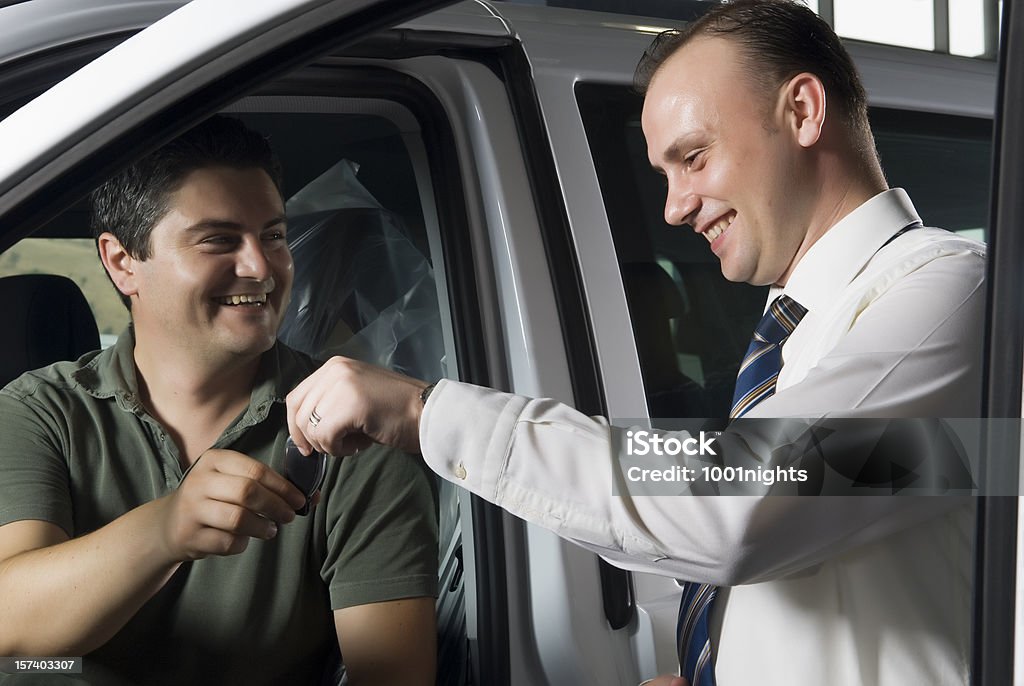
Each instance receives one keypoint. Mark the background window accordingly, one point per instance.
(943, 162)
(910, 23)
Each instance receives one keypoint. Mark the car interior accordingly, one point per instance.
(364, 282)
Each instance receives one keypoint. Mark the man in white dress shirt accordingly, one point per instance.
(757, 119)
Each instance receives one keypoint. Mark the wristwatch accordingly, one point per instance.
(425, 393)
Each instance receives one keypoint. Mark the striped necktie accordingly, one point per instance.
(755, 382)
(760, 369)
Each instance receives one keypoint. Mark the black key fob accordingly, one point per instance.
(305, 471)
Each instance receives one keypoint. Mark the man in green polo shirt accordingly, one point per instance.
(144, 521)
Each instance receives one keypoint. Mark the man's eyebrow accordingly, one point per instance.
(682, 146)
(206, 224)
(672, 154)
(678, 149)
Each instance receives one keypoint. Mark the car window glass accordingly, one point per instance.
(364, 279)
(689, 323)
(364, 234)
(944, 163)
(363, 267)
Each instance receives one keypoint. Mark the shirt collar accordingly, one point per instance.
(112, 374)
(843, 251)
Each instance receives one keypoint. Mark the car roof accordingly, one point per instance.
(35, 26)
(46, 24)
(596, 45)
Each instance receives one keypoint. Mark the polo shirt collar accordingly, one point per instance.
(844, 250)
(112, 374)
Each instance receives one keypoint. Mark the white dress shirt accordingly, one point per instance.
(826, 590)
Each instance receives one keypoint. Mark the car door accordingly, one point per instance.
(999, 586)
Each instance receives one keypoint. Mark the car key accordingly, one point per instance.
(306, 472)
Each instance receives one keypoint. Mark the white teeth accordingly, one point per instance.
(243, 299)
(717, 230)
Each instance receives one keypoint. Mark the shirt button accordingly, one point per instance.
(460, 472)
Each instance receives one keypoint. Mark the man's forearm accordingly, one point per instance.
(72, 597)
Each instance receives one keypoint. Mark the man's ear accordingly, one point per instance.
(804, 105)
(120, 265)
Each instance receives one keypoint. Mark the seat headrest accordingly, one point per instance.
(49, 320)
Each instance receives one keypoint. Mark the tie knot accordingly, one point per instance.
(779, 321)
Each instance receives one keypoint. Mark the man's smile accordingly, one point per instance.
(253, 299)
(718, 227)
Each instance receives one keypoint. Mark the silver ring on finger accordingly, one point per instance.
(314, 418)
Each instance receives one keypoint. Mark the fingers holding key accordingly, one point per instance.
(347, 405)
(224, 501)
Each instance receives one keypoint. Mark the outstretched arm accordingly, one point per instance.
(547, 463)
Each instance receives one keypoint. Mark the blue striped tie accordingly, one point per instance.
(692, 636)
(755, 382)
(760, 369)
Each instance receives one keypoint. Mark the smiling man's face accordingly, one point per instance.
(729, 162)
(219, 273)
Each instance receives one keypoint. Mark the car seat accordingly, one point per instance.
(48, 320)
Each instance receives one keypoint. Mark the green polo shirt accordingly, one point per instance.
(78, 449)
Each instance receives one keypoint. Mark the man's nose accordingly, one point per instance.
(681, 203)
(253, 262)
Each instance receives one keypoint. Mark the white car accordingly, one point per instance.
(509, 233)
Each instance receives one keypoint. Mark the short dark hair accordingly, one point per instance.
(130, 203)
(778, 39)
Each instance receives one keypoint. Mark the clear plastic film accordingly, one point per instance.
(362, 288)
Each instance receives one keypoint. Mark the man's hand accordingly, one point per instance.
(346, 405)
(224, 501)
(227, 499)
